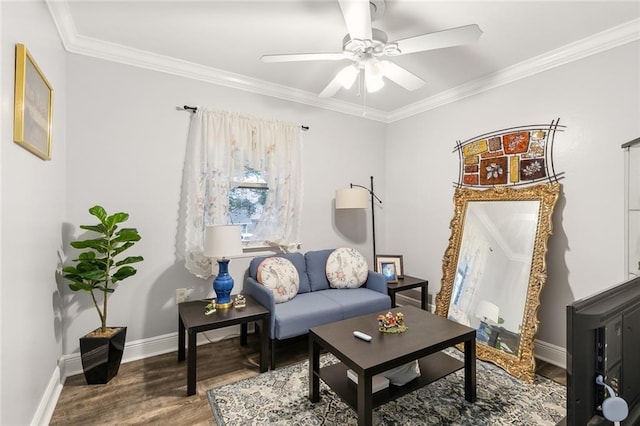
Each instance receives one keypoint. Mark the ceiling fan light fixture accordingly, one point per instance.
(373, 73)
(374, 83)
(347, 76)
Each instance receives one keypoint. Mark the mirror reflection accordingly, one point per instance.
(492, 273)
(494, 270)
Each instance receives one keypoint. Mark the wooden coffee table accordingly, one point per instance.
(426, 337)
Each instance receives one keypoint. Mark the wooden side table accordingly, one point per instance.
(192, 320)
(406, 283)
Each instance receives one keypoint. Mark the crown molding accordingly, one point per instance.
(88, 46)
(75, 43)
(597, 43)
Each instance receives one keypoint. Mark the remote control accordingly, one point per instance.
(361, 335)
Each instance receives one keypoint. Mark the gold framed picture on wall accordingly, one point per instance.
(33, 106)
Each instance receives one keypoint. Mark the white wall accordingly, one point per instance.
(598, 99)
(126, 144)
(32, 195)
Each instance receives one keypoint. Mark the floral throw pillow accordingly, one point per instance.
(280, 276)
(346, 268)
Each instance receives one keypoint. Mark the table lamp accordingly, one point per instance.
(221, 241)
(486, 311)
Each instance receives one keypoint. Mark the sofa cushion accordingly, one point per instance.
(280, 276)
(346, 268)
(307, 310)
(298, 261)
(316, 262)
(359, 301)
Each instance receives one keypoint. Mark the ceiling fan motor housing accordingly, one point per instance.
(364, 49)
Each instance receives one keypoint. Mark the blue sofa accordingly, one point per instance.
(316, 302)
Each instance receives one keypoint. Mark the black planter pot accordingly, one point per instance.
(101, 356)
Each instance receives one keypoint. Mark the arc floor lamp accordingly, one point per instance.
(357, 197)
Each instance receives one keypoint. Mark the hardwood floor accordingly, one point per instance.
(152, 391)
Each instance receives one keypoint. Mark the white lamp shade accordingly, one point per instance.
(352, 198)
(487, 310)
(222, 241)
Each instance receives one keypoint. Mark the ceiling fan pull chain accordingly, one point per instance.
(364, 100)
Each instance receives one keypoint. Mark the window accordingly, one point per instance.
(244, 170)
(246, 201)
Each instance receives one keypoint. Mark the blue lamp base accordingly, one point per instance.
(222, 285)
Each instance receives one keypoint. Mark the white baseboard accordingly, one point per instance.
(145, 348)
(550, 353)
(49, 400)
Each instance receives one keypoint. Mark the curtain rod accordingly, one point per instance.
(194, 109)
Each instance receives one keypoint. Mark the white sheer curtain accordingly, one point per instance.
(220, 145)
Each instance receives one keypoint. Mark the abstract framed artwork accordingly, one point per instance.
(514, 156)
(396, 259)
(33, 106)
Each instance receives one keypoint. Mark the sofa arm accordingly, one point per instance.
(263, 296)
(377, 282)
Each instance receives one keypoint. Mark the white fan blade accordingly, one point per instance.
(295, 57)
(344, 78)
(357, 16)
(440, 39)
(401, 76)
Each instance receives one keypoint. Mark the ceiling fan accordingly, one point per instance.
(364, 46)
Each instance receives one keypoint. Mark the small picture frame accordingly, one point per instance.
(33, 106)
(388, 269)
(390, 258)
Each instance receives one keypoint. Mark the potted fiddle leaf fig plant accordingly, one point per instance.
(97, 270)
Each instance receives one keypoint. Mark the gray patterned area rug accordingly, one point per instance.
(280, 397)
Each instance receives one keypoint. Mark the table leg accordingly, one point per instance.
(423, 298)
(470, 369)
(264, 344)
(314, 370)
(365, 399)
(243, 334)
(181, 341)
(191, 364)
(392, 295)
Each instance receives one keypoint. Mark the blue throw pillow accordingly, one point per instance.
(316, 268)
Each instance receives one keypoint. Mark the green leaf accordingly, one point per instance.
(69, 270)
(116, 218)
(99, 212)
(92, 275)
(98, 244)
(127, 234)
(87, 255)
(81, 287)
(118, 250)
(124, 272)
(100, 229)
(130, 259)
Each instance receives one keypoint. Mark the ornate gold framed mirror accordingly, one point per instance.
(494, 270)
